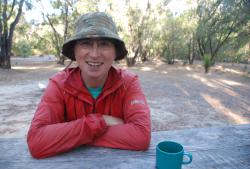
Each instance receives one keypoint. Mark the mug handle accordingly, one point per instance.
(189, 157)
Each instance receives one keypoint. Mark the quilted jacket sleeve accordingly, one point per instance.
(49, 134)
(135, 134)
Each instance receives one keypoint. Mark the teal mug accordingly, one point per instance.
(169, 155)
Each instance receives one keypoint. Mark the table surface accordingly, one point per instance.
(212, 148)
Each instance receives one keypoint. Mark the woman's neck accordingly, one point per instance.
(94, 82)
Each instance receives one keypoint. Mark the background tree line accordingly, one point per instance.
(216, 30)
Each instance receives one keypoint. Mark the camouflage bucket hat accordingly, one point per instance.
(95, 25)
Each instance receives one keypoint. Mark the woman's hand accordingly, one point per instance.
(111, 120)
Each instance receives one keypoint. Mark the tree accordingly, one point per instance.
(218, 21)
(10, 14)
(138, 33)
(174, 38)
(59, 24)
(189, 22)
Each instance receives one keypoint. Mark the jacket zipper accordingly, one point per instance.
(94, 109)
(101, 96)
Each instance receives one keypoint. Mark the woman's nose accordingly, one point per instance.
(94, 51)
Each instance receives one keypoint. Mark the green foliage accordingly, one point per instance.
(219, 21)
(42, 44)
(22, 48)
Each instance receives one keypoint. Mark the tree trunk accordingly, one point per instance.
(5, 56)
(144, 56)
(130, 61)
(6, 32)
(192, 51)
(189, 52)
(172, 58)
(201, 47)
(61, 59)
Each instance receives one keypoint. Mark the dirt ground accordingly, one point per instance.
(179, 96)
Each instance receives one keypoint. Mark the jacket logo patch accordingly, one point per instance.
(137, 102)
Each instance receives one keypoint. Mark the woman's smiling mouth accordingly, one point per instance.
(94, 64)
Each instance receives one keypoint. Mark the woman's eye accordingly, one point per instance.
(99, 43)
(85, 43)
(105, 43)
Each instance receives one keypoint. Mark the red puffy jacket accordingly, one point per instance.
(68, 116)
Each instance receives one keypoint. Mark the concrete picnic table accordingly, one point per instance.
(225, 147)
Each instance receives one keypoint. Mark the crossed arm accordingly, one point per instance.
(111, 121)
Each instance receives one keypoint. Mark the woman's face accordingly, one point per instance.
(94, 57)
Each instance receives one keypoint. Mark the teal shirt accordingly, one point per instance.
(95, 91)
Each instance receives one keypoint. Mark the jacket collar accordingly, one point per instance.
(74, 84)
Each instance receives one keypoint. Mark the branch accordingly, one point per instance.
(216, 5)
(214, 9)
(231, 29)
(12, 8)
(0, 9)
(56, 34)
(5, 10)
(5, 26)
(1, 25)
(66, 21)
(50, 23)
(224, 40)
(13, 24)
(200, 46)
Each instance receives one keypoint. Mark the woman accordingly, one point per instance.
(94, 103)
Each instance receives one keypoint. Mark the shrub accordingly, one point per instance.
(206, 63)
(22, 48)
